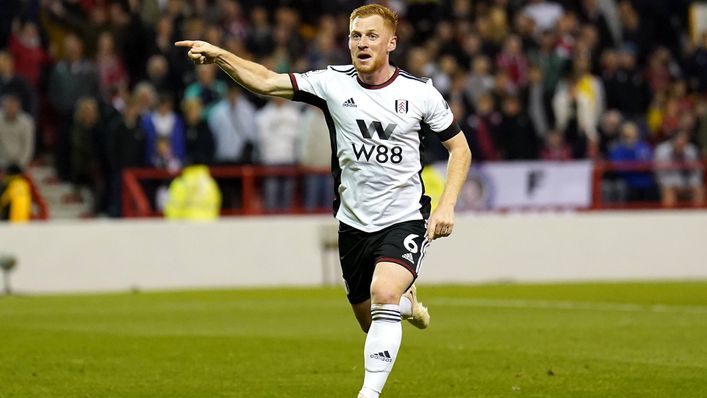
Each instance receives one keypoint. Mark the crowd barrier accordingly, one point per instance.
(492, 186)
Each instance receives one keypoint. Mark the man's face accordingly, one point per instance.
(10, 107)
(370, 41)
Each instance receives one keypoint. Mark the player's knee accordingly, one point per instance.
(384, 295)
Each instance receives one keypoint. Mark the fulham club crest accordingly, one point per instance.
(401, 106)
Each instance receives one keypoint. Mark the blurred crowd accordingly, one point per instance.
(99, 86)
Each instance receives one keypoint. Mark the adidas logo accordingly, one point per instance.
(408, 256)
(350, 103)
(383, 356)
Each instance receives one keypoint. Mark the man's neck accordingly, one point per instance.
(379, 76)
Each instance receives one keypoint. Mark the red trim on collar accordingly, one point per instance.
(378, 86)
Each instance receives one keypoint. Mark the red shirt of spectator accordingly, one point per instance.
(29, 55)
(512, 61)
(556, 149)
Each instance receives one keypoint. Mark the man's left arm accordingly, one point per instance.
(441, 222)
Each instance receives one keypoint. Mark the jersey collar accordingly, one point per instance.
(378, 86)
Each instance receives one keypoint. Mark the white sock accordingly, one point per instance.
(381, 349)
(405, 307)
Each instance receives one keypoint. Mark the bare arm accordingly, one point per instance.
(253, 76)
(441, 221)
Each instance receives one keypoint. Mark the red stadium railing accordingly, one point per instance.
(40, 209)
(136, 203)
(601, 168)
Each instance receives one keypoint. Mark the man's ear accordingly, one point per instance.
(392, 44)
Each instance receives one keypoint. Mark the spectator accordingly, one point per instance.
(485, 126)
(696, 67)
(539, 104)
(470, 51)
(639, 185)
(513, 62)
(556, 149)
(661, 70)
(180, 70)
(112, 77)
(158, 74)
(164, 157)
(127, 140)
(443, 74)
(480, 80)
(314, 150)
(591, 14)
(232, 123)
(199, 139)
(544, 13)
(15, 196)
(83, 133)
(10, 83)
(609, 131)
(277, 136)
(634, 35)
(517, 138)
(17, 134)
(575, 117)
(145, 98)
(193, 196)
(164, 135)
(678, 180)
(260, 40)
(566, 35)
(26, 48)
(590, 86)
(325, 52)
(551, 64)
(207, 88)
(72, 78)
(633, 93)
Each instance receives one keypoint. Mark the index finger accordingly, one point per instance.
(185, 43)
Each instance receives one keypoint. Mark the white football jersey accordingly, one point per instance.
(376, 144)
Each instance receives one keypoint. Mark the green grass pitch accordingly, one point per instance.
(559, 340)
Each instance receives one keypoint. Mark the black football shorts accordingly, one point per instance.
(359, 252)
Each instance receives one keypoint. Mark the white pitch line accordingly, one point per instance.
(567, 305)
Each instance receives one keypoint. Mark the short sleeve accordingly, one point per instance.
(309, 87)
(438, 116)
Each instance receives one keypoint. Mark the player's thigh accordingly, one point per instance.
(357, 263)
(404, 244)
(390, 281)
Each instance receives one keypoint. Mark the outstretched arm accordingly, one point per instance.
(253, 76)
(441, 221)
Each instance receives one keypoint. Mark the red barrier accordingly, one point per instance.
(136, 204)
(603, 167)
(40, 204)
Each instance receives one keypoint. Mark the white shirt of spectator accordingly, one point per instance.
(545, 14)
(232, 125)
(375, 134)
(277, 124)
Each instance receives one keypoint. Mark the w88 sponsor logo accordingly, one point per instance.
(380, 153)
